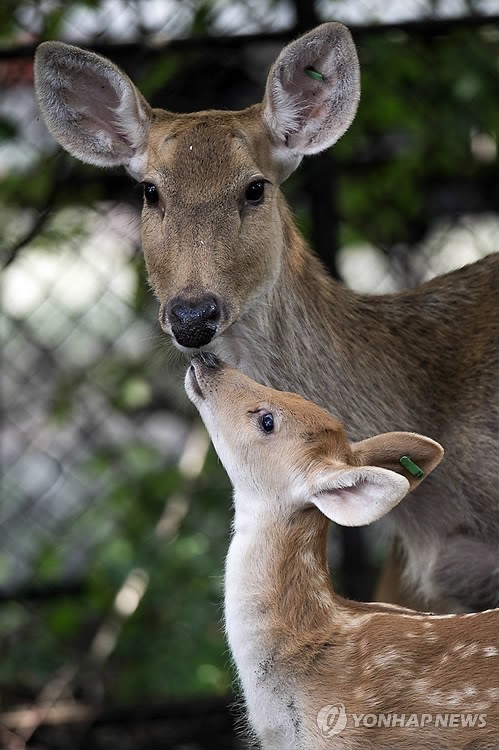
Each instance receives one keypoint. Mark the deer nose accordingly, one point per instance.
(194, 321)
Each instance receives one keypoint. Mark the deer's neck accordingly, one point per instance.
(353, 354)
(313, 336)
(277, 586)
(279, 612)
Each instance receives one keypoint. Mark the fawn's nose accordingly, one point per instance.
(194, 321)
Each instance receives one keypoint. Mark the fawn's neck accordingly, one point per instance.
(279, 611)
(277, 585)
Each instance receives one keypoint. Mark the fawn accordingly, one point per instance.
(233, 274)
(387, 676)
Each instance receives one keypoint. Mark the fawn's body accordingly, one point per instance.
(299, 648)
(231, 272)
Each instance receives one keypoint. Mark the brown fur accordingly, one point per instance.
(314, 643)
(298, 646)
(422, 360)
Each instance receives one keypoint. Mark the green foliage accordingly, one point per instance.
(173, 643)
(420, 100)
(158, 75)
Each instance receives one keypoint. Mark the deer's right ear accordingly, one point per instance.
(359, 495)
(312, 92)
(91, 107)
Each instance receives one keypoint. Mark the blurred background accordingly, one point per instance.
(114, 515)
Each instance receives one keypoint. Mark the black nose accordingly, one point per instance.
(194, 321)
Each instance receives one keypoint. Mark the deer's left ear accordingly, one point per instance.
(359, 495)
(312, 92)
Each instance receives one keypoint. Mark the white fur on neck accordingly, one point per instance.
(247, 623)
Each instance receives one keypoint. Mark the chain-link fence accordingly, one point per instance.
(114, 516)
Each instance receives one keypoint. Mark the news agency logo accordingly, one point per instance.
(332, 720)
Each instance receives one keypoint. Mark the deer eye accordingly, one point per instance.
(255, 192)
(151, 193)
(267, 422)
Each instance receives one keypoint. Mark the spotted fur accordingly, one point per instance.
(297, 645)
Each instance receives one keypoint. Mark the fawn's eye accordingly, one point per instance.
(267, 422)
(255, 192)
(151, 193)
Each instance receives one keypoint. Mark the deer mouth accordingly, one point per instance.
(204, 366)
(194, 382)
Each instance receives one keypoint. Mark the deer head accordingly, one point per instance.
(280, 447)
(212, 220)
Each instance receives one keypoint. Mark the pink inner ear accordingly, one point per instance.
(96, 94)
(365, 499)
(314, 111)
(359, 493)
(97, 101)
(307, 95)
(347, 493)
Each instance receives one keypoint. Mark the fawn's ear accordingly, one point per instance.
(392, 449)
(359, 495)
(91, 107)
(312, 92)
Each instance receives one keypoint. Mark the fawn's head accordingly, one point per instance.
(279, 447)
(211, 220)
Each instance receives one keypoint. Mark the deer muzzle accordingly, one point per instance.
(193, 321)
(199, 377)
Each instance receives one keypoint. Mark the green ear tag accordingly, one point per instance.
(411, 467)
(313, 73)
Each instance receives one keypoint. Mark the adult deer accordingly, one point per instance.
(319, 671)
(233, 274)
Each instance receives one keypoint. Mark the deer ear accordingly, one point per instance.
(91, 107)
(388, 449)
(312, 91)
(359, 495)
